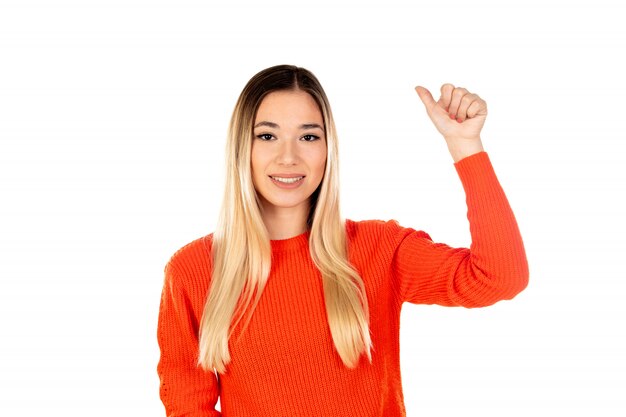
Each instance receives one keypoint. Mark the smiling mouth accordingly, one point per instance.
(287, 180)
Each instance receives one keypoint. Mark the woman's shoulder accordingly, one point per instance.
(378, 229)
(358, 230)
(193, 254)
(370, 225)
(188, 272)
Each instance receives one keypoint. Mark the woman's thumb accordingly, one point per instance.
(426, 98)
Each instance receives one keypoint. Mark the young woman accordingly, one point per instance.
(321, 296)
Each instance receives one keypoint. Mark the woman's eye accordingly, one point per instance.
(267, 137)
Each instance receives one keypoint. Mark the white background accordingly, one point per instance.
(113, 117)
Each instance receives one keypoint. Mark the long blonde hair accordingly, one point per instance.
(241, 248)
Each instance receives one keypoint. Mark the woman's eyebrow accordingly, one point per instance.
(302, 126)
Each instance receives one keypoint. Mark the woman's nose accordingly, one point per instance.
(287, 152)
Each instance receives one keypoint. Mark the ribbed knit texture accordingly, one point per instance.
(285, 363)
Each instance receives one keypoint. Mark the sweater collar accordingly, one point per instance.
(291, 244)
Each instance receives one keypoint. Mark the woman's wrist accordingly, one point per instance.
(462, 147)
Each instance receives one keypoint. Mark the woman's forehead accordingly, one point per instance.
(288, 107)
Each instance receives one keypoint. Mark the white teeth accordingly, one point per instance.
(288, 180)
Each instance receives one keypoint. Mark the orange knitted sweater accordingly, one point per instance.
(284, 364)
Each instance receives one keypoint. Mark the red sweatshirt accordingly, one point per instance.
(285, 364)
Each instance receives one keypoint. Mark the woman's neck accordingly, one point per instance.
(284, 223)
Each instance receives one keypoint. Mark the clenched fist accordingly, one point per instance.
(459, 116)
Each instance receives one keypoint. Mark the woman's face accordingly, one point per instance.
(288, 150)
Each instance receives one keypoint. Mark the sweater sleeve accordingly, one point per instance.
(493, 268)
(186, 389)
